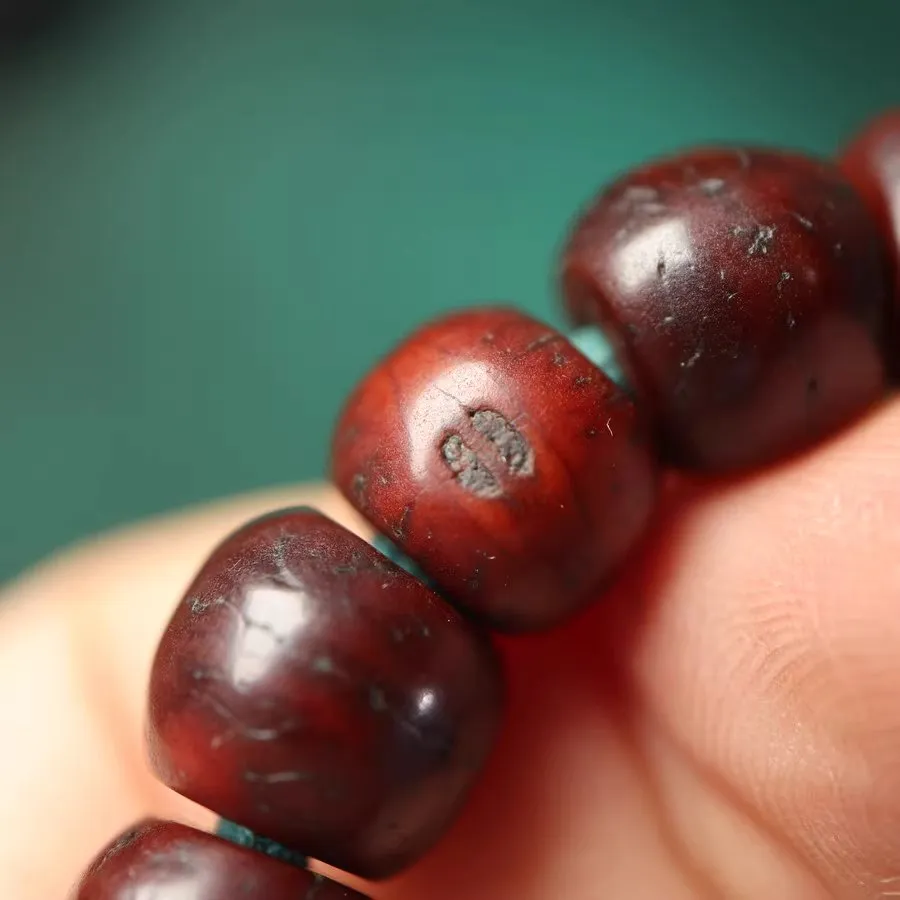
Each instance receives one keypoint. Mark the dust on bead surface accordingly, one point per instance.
(510, 469)
(165, 859)
(313, 692)
(745, 290)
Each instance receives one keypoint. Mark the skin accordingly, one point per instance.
(726, 724)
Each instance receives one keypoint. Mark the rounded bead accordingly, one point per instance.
(506, 465)
(746, 291)
(164, 859)
(313, 692)
(872, 163)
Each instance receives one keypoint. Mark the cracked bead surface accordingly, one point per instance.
(746, 292)
(511, 470)
(165, 860)
(312, 691)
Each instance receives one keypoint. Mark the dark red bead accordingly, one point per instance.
(872, 163)
(746, 292)
(312, 691)
(163, 859)
(506, 465)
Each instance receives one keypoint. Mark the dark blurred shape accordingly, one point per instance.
(22, 21)
(872, 163)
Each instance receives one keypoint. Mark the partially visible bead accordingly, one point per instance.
(165, 860)
(512, 471)
(316, 694)
(872, 163)
(745, 292)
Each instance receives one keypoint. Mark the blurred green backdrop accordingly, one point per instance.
(215, 215)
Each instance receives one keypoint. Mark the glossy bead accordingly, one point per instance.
(165, 860)
(310, 690)
(872, 163)
(746, 291)
(507, 466)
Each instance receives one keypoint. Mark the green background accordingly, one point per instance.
(215, 215)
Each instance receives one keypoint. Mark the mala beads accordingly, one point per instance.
(336, 700)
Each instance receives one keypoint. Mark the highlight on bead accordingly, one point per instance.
(345, 710)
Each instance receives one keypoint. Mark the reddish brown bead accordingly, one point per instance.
(746, 292)
(872, 164)
(312, 691)
(512, 470)
(162, 859)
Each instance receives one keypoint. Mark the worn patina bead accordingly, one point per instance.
(161, 860)
(511, 470)
(745, 290)
(313, 692)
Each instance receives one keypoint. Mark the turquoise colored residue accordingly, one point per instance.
(244, 837)
(389, 549)
(592, 342)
